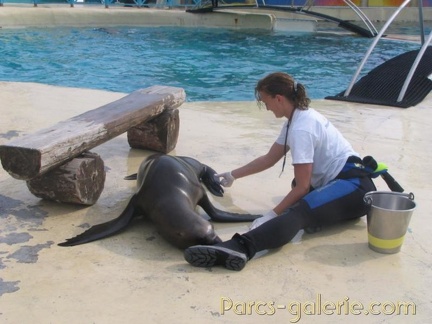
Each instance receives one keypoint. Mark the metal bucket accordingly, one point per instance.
(388, 219)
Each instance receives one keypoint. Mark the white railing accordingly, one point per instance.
(371, 48)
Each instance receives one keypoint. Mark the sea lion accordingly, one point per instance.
(168, 190)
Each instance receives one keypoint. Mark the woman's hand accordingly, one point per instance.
(265, 218)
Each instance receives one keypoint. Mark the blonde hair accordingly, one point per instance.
(280, 83)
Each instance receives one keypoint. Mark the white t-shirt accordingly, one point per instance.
(313, 139)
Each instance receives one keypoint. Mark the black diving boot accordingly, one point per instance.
(232, 254)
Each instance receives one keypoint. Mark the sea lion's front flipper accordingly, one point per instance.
(106, 229)
(218, 215)
(131, 177)
(207, 177)
(205, 174)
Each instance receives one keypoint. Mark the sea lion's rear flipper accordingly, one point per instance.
(218, 215)
(105, 229)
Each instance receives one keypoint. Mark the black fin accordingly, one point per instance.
(131, 177)
(208, 179)
(106, 229)
(218, 215)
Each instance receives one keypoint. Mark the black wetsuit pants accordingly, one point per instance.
(340, 199)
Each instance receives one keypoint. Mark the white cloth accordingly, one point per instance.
(312, 138)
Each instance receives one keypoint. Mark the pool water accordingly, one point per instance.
(210, 64)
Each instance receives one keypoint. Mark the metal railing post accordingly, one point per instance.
(413, 68)
(369, 51)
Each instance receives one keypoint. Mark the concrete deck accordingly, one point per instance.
(137, 277)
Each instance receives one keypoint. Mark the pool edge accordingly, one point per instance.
(21, 17)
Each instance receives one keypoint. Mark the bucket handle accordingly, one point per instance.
(368, 199)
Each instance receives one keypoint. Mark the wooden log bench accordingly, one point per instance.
(56, 162)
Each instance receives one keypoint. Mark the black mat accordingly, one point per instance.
(382, 85)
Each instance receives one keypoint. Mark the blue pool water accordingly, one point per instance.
(210, 64)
